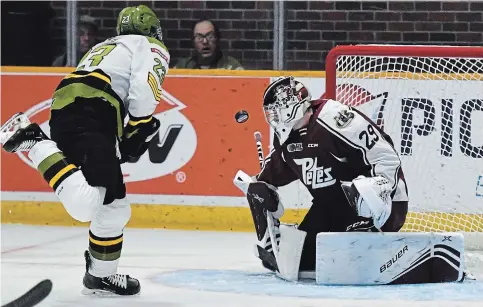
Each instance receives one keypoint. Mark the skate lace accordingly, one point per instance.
(26, 145)
(118, 280)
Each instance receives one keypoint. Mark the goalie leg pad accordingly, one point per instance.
(261, 218)
(388, 258)
(289, 252)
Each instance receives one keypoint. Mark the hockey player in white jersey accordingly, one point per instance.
(81, 160)
(354, 174)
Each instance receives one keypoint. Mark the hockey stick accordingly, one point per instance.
(33, 296)
(270, 225)
(258, 141)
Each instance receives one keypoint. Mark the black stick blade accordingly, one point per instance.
(33, 296)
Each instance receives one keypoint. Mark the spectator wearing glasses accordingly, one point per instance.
(207, 53)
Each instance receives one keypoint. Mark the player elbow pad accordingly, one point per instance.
(137, 135)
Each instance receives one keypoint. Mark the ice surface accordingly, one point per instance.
(187, 268)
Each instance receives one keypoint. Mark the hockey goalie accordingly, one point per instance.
(350, 235)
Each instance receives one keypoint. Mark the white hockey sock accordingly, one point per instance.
(80, 199)
(42, 150)
(106, 237)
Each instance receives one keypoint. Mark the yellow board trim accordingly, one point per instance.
(208, 217)
(269, 73)
(56, 178)
(105, 243)
(178, 72)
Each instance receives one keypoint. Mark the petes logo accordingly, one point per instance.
(169, 150)
(314, 176)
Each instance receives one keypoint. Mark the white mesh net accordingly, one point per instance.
(431, 104)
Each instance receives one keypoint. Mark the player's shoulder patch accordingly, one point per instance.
(336, 113)
(343, 118)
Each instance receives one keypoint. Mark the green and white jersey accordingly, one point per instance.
(127, 70)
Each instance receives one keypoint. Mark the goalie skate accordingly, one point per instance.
(19, 134)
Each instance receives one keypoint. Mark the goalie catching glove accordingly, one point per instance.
(264, 196)
(371, 197)
(137, 135)
(266, 211)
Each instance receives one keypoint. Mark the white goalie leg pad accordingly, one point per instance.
(289, 252)
(353, 258)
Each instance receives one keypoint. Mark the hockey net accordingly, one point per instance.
(429, 99)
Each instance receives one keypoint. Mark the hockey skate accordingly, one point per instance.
(19, 134)
(113, 284)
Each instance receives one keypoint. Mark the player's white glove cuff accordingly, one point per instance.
(375, 200)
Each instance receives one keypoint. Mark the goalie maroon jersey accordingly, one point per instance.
(338, 144)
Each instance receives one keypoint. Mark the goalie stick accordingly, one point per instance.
(258, 141)
(33, 296)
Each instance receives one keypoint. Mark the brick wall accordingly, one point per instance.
(313, 27)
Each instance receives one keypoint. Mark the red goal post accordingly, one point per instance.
(429, 99)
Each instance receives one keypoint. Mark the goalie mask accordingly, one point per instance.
(285, 102)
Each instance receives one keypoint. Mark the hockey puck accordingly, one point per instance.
(241, 116)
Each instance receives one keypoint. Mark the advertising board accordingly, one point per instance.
(185, 178)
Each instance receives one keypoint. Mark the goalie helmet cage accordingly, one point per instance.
(429, 99)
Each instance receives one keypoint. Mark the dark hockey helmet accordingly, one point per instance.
(285, 102)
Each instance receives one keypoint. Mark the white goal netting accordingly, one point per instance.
(429, 99)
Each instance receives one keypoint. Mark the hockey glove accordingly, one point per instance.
(371, 198)
(136, 138)
(265, 196)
